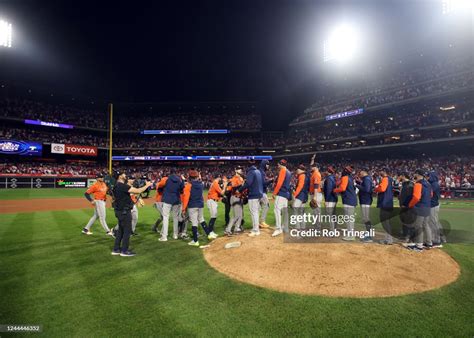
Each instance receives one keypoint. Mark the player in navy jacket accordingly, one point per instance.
(330, 198)
(171, 204)
(435, 225)
(349, 199)
(254, 184)
(366, 190)
(264, 202)
(421, 203)
(301, 193)
(384, 192)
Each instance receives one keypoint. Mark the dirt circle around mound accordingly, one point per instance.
(332, 269)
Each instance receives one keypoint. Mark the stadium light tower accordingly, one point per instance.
(341, 44)
(5, 34)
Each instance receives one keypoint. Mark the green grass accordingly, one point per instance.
(53, 276)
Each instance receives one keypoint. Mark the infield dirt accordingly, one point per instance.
(332, 269)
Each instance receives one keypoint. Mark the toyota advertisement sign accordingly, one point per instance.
(73, 149)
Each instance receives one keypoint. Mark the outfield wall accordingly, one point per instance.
(42, 181)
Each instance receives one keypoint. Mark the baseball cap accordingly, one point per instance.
(99, 175)
(348, 169)
(330, 169)
(420, 172)
(283, 162)
(302, 167)
(193, 173)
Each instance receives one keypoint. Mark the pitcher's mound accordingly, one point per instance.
(332, 269)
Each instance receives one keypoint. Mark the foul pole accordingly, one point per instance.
(111, 115)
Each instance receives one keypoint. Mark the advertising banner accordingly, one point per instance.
(73, 149)
(23, 148)
(71, 183)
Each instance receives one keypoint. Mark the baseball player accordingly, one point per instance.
(301, 193)
(193, 203)
(158, 205)
(404, 197)
(330, 198)
(435, 225)
(315, 190)
(366, 187)
(215, 194)
(236, 202)
(254, 186)
(384, 192)
(264, 202)
(349, 198)
(99, 191)
(281, 195)
(421, 202)
(171, 204)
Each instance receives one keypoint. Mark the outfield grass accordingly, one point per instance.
(53, 276)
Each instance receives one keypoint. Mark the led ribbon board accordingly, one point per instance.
(184, 132)
(344, 114)
(49, 124)
(190, 158)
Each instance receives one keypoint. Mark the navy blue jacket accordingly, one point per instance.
(349, 196)
(303, 195)
(172, 191)
(406, 193)
(263, 170)
(196, 199)
(434, 181)
(423, 206)
(253, 182)
(366, 188)
(328, 187)
(285, 187)
(385, 199)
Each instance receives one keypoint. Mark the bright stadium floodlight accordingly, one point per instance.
(5, 34)
(341, 44)
(450, 6)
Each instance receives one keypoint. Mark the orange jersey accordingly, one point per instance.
(234, 183)
(315, 182)
(99, 190)
(159, 189)
(186, 195)
(215, 191)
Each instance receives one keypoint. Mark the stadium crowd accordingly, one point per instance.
(378, 123)
(26, 109)
(453, 172)
(402, 86)
(140, 142)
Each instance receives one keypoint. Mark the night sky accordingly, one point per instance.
(257, 50)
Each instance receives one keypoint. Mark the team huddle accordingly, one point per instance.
(181, 198)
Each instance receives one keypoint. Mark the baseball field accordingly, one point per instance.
(52, 275)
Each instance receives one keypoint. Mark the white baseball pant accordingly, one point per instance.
(298, 206)
(237, 213)
(280, 210)
(134, 217)
(265, 206)
(99, 212)
(330, 206)
(196, 216)
(435, 225)
(349, 210)
(174, 211)
(254, 207)
(317, 211)
(212, 206)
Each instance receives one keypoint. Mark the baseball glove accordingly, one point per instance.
(313, 204)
